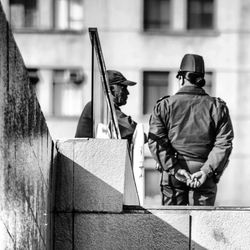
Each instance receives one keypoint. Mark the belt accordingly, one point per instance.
(188, 158)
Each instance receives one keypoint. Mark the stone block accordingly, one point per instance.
(220, 229)
(99, 170)
(63, 237)
(94, 175)
(158, 230)
(64, 176)
(102, 172)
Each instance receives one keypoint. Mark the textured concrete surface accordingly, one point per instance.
(221, 229)
(64, 178)
(131, 231)
(94, 175)
(7, 242)
(155, 228)
(139, 229)
(26, 154)
(63, 234)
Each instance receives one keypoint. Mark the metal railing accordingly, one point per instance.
(105, 124)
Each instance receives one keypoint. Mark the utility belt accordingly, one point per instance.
(188, 158)
(186, 162)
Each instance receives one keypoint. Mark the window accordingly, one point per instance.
(67, 94)
(156, 14)
(24, 13)
(46, 14)
(59, 92)
(68, 14)
(33, 77)
(155, 86)
(200, 14)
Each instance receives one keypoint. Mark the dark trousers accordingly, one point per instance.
(175, 192)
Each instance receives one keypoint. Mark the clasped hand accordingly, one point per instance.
(194, 180)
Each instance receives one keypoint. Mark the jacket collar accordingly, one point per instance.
(116, 106)
(191, 90)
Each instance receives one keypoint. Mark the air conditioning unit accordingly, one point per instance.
(33, 74)
(76, 76)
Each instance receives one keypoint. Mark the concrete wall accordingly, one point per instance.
(92, 211)
(92, 175)
(163, 229)
(26, 154)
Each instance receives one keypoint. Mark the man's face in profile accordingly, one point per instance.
(120, 93)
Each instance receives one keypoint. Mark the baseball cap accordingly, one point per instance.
(116, 77)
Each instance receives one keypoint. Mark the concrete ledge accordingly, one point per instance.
(210, 227)
(133, 231)
(94, 175)
(154, 230)
(221, 229)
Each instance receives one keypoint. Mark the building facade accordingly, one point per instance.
(146, 40)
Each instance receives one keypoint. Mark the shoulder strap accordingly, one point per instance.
(221, 101)
(164, 97)
(190, 93)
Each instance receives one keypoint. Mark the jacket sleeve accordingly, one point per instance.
(85, 123)
(126, 125)
(158, 142)
(218, 157)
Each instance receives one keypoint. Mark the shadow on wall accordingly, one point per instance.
(79, 190)
(26, 154)
(87, 216)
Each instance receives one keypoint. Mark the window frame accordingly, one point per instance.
(51, 25)
(146, 19)
(55, 112)
(145, 107)
(46, 75)
(188, 28)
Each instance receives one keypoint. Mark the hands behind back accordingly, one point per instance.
(197, 179)
(183, 175)
(194, 181)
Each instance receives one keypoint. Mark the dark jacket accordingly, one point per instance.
(191, 125)
(126, 124)
(85, 125)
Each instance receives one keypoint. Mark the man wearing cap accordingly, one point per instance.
(118, 87)
(190, 137)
